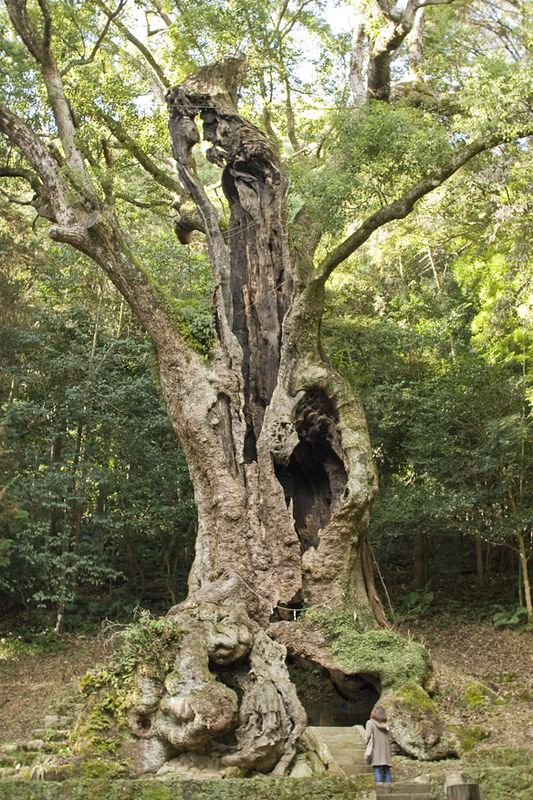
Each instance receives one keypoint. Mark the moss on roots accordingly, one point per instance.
(392, 660)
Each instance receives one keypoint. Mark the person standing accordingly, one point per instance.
(378, 750)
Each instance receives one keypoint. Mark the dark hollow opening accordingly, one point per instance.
(314, 478)
(287, 612)
(333, 699)
(144, 722)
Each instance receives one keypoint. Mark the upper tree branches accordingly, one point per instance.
(398, 23)
(66, 193)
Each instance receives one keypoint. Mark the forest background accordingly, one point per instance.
(431, 319)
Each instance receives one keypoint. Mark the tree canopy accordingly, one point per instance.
(415, 115)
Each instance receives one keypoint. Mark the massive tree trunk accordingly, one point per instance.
(277, 446)
(281, 464)
(275, 438)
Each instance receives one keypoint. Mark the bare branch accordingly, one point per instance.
(415, 46)
(401, 208)
(134, 201)
(81, 62)
(388, 40)
(136, 43)
(164, 16)
(18, 14)
(161, 176)
(357, 63)
(46, 167)
(39, 47)
(424, 3)
(289, 115)
(47, 19)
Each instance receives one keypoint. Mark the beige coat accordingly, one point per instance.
(381, 749)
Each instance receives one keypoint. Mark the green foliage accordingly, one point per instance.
(432, 323)
(254, 789)
(509, 618)
(96, 490)
(149, 641)
(14, 646)
(415, 604)
(431, 320)
(380, 150)
(197, 323)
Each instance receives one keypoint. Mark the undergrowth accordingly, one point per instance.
(149, 642)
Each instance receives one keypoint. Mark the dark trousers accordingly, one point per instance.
(382, 773)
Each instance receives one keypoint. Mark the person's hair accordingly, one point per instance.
(379, 714)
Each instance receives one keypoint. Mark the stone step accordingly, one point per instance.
(51, 734)
(341, 750)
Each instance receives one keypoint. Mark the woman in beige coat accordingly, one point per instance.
(380, 758)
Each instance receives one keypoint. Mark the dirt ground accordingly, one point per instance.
(33, 683)
(500, 659)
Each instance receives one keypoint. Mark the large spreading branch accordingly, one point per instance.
(95, 234)
(31, 147)
(400, 208)
(39, 46)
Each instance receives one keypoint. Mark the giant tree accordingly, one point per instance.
(275, 438)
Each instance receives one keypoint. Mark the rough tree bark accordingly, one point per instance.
(275, 438)
(277, 447)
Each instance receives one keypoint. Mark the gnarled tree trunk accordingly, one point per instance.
(280, 460)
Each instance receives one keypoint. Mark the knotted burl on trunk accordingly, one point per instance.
(228, 681)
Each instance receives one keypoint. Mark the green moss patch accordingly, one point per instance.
(256, 789)
(393, 660)
(414, 698)
(468, 736)
(477, 695)
(502, 772)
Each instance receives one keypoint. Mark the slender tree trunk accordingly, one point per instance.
(480, 563)
(522, 554)
(420, 570)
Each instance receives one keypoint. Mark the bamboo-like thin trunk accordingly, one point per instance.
(525, 575)
(480, 564)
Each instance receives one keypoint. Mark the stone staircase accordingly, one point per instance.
(39, 756)
(341, 750)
